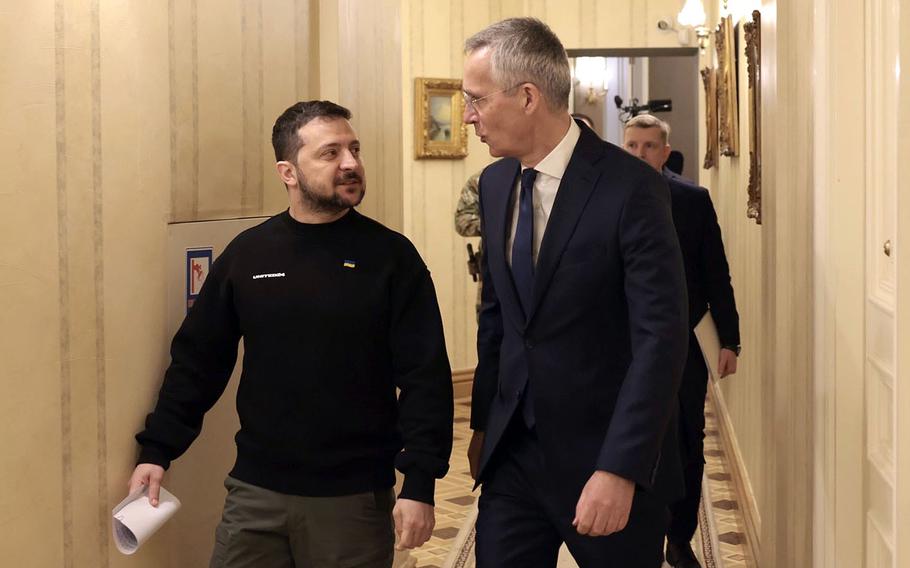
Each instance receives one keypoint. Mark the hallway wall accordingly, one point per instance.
(840, 262)
(742, 394)
(902, 528)
(117, 118)
(770, 400)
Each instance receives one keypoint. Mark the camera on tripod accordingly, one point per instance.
(626, 112)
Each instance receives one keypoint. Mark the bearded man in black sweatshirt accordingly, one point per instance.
(336, 312)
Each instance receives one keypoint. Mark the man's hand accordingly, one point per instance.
(726, 365)
(475, 446)
(604, 505)
(414, 522)
(147, 474)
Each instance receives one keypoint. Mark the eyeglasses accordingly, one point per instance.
(471, 102)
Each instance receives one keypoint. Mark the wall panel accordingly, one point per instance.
(113, 125)
(743, 240)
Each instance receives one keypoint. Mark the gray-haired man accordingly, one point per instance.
(582, 332)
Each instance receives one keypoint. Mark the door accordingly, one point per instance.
(882, 64)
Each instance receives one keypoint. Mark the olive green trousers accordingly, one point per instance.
(265, 529)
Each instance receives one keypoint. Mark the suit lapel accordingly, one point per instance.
(574, 191)
(497, 190)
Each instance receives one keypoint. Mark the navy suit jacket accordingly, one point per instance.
(604, 341)
(707, 271)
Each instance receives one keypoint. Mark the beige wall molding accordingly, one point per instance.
(463, 382)
(787, 204)
(744, 492)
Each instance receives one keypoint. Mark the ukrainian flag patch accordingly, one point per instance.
(350, 264)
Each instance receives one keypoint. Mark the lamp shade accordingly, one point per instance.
(692, 14)
(591, 72)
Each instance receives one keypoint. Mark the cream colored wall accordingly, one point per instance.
(233, 69)
(433, 33)
(902, 523)
(728, 182)
(840, 224)
(360, 62)
(97, 96)
(788, 99)
(770, 400)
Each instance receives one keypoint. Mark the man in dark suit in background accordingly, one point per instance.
(708, 283)
(582, 332)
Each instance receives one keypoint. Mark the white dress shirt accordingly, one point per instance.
(549, 174)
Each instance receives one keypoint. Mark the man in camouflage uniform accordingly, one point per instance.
(467, 224)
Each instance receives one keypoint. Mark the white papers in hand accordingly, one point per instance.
(709, 343)
(135, 520)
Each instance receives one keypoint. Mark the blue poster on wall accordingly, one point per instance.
(198, 264)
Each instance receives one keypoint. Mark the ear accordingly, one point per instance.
(667, 150)
(286, 172)
(531, 97)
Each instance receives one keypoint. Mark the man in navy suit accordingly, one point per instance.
(583, 325)
(708, 283)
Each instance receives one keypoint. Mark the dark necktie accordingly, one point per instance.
(523, 245)
(523, 267)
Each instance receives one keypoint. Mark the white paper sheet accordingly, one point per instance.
(135, 520)
(709, 342)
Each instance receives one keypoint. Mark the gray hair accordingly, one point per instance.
(650, 121)
(525, 50)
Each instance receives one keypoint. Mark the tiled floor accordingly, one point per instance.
(723, 545)
(454, 499)
(726, 518)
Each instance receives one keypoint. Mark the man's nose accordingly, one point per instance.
(349, 160)
(469, 115)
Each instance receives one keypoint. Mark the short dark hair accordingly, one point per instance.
(285, 139)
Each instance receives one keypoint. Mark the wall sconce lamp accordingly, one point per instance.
(681, 33)
(591, 74)
(693, 15)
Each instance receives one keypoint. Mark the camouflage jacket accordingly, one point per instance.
(467, 213)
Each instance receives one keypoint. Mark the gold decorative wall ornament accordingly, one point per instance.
(753, 60)
(438, 129)
(728, 111)
(709, 78)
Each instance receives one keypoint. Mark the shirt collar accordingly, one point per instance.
(556, 162)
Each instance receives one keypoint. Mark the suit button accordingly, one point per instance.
(529, 344)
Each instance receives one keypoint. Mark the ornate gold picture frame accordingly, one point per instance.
(728, 111)
(709, 78)
(438, 129)
(753, 60)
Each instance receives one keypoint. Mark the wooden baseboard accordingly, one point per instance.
(740, 474)
(462, 382)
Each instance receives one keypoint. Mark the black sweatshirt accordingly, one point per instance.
(333, 317)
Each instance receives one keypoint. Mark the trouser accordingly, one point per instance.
(692, 392)
(522, 523)
(261, 528)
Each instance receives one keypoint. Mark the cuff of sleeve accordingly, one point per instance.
(153, 455)
(418, 486)
(642, 477)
